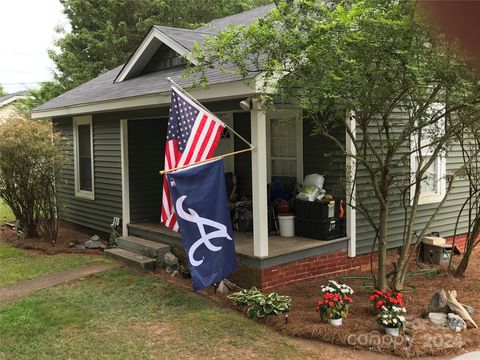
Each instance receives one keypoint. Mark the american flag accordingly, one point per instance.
(193, 135)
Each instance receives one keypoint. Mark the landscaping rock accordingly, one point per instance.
(222, 288)
(438, 319)
(456, 323)
(171, 262)
(93, 243)
(438, 304)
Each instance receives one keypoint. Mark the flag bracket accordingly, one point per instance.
(163, 172)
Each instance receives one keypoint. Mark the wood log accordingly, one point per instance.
(458, 308)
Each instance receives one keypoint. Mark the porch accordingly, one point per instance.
(282, 250)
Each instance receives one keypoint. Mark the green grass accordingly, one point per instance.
(122, 314)
(18, 264)
(5, 212)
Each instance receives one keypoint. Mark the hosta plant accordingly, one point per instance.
(260, 305)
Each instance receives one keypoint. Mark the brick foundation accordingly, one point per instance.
(460, 241)
(324, 266)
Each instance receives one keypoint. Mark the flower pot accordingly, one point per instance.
(336, 322)
(392, 331)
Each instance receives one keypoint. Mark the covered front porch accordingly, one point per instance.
(284, 152)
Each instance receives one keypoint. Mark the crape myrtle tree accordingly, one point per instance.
(104, 33)
(376, 68)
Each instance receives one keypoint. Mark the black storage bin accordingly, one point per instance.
(317, 210)
(326, 229)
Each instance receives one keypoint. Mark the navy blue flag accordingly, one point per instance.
(200, 200)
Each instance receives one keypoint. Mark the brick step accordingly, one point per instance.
(134, 260)
(143, 247)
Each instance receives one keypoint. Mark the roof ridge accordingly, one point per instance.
(243, 12)
(183, 29)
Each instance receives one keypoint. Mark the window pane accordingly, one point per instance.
(85, 157)
(283, 147)
(430, 183)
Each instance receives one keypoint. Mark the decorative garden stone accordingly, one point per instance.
(456, 323)
(438, 304)
(93, 243)
(171, 263)
(438, 319)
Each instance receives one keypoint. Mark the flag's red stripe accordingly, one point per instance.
(215, 142)
(205, 140)
(193, 144)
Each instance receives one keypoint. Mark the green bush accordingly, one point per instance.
(31, 158)
(260, 305)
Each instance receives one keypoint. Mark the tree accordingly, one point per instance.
(104, 33)
(31, 157)
(369, 61)
(2, 91)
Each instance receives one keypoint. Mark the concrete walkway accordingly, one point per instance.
(27, 287)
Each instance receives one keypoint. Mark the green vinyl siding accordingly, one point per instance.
(445, 219)
(97, 213)
(321, 155)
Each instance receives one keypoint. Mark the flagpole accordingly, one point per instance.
(204, 108)
(162, 172)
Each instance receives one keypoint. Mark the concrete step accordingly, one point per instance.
(134, 260)
(143, 247)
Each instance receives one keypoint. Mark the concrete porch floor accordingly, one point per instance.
(289, 248)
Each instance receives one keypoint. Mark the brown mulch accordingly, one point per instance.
(67, 233)
(360, 330)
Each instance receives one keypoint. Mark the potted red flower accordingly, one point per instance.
(335, 302)
(391, 311)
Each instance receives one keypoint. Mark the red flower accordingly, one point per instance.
(372, 297)
(330, 304)
(379, 304)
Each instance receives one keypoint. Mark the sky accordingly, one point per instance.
(27, 29)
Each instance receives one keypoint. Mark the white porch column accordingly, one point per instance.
(259, 179)
(351, 190)
(125, 176)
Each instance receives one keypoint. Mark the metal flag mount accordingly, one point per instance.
(250, 148)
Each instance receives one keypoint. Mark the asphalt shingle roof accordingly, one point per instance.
(103, 88)
(9, 96)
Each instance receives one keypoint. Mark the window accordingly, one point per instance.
(433, 186)
(83, 156)
(286, 148)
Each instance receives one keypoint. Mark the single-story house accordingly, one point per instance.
(7, 104)
(116, 124)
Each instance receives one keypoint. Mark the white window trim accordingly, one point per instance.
(82, 120)
(287, 114)
(429, 197)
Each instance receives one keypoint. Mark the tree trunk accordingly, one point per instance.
(382, 284)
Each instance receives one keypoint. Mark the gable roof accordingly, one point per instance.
(7, 99)
(116, 84)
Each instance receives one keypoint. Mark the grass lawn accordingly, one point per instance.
(17, 264)
(123, 314)
(5, 212)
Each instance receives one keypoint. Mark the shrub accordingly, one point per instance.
(260, 305)
(31, 158)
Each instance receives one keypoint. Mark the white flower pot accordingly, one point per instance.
(392, 331)
(336, 322)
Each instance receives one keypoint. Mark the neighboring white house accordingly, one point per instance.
(7, 104)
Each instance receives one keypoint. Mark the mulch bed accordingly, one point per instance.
(67, 233)
(360, 330)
